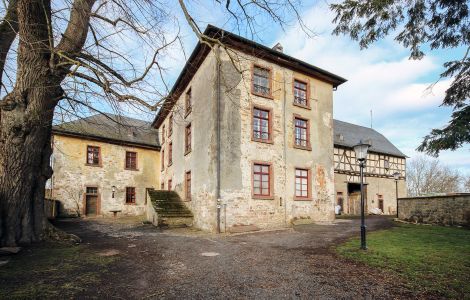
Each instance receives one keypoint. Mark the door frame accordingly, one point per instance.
(98, 200)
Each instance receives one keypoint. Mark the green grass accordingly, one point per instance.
(51, 270)
(435, 259)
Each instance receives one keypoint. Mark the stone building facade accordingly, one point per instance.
(260, 128)
(246, 138)
(101, 166)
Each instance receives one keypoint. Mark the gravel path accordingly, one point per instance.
(289, 264)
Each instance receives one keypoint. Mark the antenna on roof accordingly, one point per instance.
(371, 118)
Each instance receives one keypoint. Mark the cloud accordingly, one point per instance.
(381, 78)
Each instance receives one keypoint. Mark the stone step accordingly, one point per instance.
(175, 215)
(175, 222)
(174, 211)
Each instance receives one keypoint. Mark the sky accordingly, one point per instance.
(384, 87)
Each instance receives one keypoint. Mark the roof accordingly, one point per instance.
(112, 128)
(247, 46)
(348, 135)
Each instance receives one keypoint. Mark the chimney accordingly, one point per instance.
(278, 47)
(339, 137)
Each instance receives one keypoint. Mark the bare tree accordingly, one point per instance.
(426, 175)
(73, 56)
(466, 184)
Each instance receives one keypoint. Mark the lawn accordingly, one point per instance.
(435, 259)
(52, 270)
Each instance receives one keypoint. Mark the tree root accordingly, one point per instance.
(51, 233)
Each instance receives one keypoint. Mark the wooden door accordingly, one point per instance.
(354, 203)
(91, 205)
(91, 201)
(381, 202)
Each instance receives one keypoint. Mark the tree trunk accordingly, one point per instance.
(26, 121)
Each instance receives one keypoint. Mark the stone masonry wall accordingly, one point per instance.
(375, 186)
(444, 210)
(72, 176)
(239, 151)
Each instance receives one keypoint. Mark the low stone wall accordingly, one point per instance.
(444, 210)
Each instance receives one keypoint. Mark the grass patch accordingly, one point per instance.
(435, 259)
(51, 270)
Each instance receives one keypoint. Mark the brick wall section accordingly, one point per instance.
(443, 210)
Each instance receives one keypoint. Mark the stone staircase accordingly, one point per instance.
(170, 209)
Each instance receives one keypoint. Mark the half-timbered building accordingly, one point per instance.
(384, 163)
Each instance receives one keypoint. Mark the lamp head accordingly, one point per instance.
(361, 150)
(396, 175)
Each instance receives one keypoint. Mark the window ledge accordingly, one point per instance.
(187, 152)
(129, 169)
(262, 197)
(130, 203)
(270, 96)
(302, 199)
(308, 148)
(262, 141)
(302, 106)
(91, 165)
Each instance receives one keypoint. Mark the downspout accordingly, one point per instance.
(218, 95)
(285, 147)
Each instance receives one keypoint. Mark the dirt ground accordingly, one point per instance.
(296, 263)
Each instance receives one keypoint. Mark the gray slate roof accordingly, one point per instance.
(351, 134)
(112, 127)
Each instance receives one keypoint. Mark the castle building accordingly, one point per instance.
(246, 139)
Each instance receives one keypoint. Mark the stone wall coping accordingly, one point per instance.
(456, 195)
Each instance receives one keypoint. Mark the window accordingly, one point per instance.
(300, 93)
(131, 160)
(169, 184)
(163, 134)
(170, 154)
(93, 157)
(163, 160)
(162, 186)
(93, 190)
(301, 133)
(130, 195)
(261, 81)
(187, 139)
(262, 125)
(302, 184)
(188, 101)
(262, 185)
(187, 185)
(170, 125)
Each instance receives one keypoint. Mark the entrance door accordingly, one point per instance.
(381, 203)
(355, 203)
(91, 201)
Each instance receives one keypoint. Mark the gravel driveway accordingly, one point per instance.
(294, 264)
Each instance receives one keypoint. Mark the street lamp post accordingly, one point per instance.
(396, 176)
(361, 155)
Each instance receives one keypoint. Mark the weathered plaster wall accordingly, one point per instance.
(375, 186)
(239, 151)
(201, 160)
(443, 210)
(72, 175)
